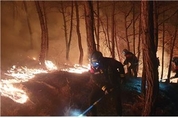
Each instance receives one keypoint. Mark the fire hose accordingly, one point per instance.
(96, 102)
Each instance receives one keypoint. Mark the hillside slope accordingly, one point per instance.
(66, 94)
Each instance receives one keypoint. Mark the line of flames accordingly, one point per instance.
(23, 74)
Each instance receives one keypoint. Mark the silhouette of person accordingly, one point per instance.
(106, 74)
(131, 59)
(175, 61)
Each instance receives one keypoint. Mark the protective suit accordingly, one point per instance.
(131, 59)
(175, 61)
(106, 74)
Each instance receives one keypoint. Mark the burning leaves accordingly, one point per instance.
(18, 75)
(79, 69)
(13, 93)
(23, 74)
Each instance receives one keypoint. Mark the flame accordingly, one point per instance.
(18, 75)
(79, 69)
(23, 74)
(13, 93)
(50, 65)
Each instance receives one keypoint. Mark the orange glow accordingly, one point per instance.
(13, 93)
(77, 69)
(23, 74)
(17, 75)
(34, 58)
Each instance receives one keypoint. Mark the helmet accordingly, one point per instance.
(125, 51)
(96, 58)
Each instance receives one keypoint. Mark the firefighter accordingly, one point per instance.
(106, 74)
(132, 60)
(175, 61)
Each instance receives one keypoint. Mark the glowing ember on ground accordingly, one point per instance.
(17, 75)
(15, 94)
(77, 69)
(23, 74)
(50, 65)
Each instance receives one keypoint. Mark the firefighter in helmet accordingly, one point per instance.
(106, 74)
(132, 60)
(175, 61)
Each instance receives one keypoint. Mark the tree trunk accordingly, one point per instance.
(133, 27)
(70, 33)
(98, 27)
(113, 30)
(126, 29)
(171, 51)
(89, 19)
(104, 31)
(117, 46)
(78, 34)
(143, 85)
(150, 59)
(155, 17)
(163, 48)
(139, 42)
(44, 33)
(62, 10)
(107, 32)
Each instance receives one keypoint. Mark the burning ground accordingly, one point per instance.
(64, 93)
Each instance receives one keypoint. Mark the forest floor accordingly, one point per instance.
(66, 94)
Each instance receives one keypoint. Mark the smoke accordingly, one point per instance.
(15, 43)
(16, 40)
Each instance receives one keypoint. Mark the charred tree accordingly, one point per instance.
(133, 27)
(44, 32)
(68, 37)
(89, 20)
(62, 10)
(126, 28)
(107, 33)
(113, 30)
(78, 34)
(143, 84)
(162, 64)
(97, 25)
(155, 17)
(118, 47)
(70, 32)
(174, 36)
(139, 40)
(150, 59)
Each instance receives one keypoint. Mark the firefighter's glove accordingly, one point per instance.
(106, 90)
